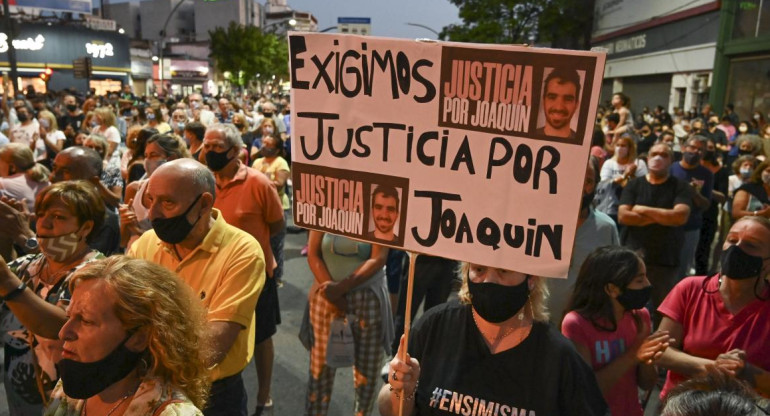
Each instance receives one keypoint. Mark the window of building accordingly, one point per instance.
(752, 19)
(681, 95)
(748, 87)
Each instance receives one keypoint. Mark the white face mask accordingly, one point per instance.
(657, 163)
(150, 165)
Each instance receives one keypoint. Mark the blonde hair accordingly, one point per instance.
(536, 306)
(108, 117)
(152, 297)
(631, 147)
(268, 120)
(100, 141)
(23, 160)
(52, 124)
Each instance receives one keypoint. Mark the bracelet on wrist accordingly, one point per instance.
(409, 397)
(15, 292)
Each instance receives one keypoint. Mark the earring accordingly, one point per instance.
(521, 312)
(144, 366)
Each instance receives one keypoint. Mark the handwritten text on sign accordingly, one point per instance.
(472, 152)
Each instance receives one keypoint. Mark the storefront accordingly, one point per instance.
(188, 76)
(141, 71)
(658, 53)
(742, 69)
(39, 46)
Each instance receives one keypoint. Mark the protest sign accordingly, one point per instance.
(465, 151)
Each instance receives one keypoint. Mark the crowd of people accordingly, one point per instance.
(142, 255)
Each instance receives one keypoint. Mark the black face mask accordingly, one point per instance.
(738, 265)
(691, 158)
(497, 303)
(710, 156)
(71, 107)
(635, 298)
(84, 380)
(268, 151)
(22, 117)
(175, 229)
(217, 161)
(744, 152)
(268, 115)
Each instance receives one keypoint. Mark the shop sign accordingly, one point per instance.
(28, 44)
(99, 49)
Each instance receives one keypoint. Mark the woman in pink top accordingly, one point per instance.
(610, 328)
(722, 320)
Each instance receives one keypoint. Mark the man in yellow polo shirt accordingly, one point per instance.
(224, 266)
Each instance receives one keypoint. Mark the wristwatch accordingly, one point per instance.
(31, 244)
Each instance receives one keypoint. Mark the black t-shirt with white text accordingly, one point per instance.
(542, 376)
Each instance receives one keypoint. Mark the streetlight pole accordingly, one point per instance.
(426, 28)
(162, 41)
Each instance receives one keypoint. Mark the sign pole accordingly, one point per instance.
(407, 320)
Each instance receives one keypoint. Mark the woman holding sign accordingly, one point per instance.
(491, 353)
(349, 286)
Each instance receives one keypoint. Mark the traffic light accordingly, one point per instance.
(46, 74)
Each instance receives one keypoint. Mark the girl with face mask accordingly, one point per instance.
(608, 309)
(721, 320)
(495, 345)
(751, 198)
(624, 165)
(267, 127)
(742, 168)
(35, 290)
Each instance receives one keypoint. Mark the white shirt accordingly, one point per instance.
(24, 134)
(611, 169)
(53, 137)
(111, 133)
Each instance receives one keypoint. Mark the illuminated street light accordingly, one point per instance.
(154, 58)
(121, 31)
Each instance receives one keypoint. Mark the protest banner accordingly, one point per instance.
(466, 151)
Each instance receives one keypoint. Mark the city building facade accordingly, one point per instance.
(658, 53)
